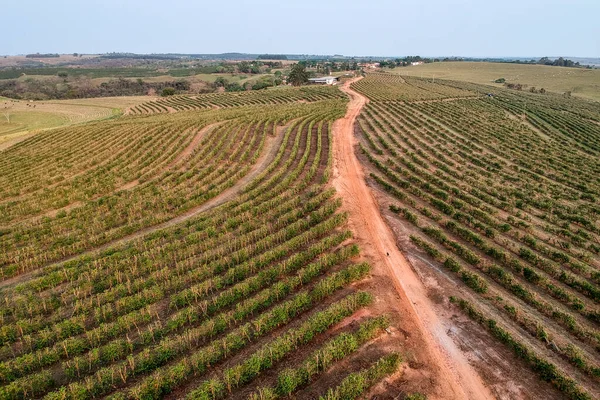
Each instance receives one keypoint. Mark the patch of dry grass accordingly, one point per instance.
(579, 81)
(21, 117)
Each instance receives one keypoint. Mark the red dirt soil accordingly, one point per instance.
(452, 375)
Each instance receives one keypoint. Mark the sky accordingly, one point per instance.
(470, 28)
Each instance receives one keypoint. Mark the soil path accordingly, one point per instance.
(523, 120)
(455, 376)
(184, 155)
(187, 152)
(271, 146)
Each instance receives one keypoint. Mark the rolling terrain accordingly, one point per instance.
(20, 119)
(581, 82)
(186, 255)
(497, 199)
(388, 237)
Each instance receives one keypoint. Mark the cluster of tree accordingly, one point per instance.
(519, 86)
(298, 75)
(249, 67)
(221, 82)
(257, 67)
(326, 67)
(272, 57)
(559, 62)
(45, 89)
(412, 59)
(244, 67)
(115, 55)
(273, 64)
(263, 83)
(402, 62)
(44, 55)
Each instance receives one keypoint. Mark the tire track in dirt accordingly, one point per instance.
(455, 378)
(182, 156)
(271, 147)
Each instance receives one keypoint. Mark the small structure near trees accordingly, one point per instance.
(325, 80)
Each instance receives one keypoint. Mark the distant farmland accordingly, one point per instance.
(581, 82)
(20, 118)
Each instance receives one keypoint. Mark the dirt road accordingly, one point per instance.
(454, 378)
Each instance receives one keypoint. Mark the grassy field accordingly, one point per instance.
(20, 117)
(19, 121)
(15, 61)
(581, 82)
(500, 194)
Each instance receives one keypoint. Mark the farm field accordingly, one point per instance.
(580, 81)
(387, 237)
(495, 201)
(21, 118)
(272, 96)
(199, 254)
(64, 58)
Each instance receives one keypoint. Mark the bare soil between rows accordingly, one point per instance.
(437, 365)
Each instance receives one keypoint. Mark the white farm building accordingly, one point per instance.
(324, 80)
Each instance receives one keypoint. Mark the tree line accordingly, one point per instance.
(47, 89)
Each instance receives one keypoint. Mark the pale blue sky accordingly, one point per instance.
(366, 27)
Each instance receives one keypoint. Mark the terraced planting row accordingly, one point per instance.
(508, 206)
(211, 306)
(272, 96)
(143, 185)
(386, 87)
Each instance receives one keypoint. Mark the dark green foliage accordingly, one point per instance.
(298, 75)
(168, 91)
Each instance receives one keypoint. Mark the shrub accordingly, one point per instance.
(168, 91)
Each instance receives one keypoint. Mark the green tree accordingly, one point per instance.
(234, 87)
(220, 82)
(245, 67)
(278, 78)
(168, 91)
(298, 75)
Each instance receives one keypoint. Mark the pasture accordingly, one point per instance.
(21, 118)
(580, 82)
